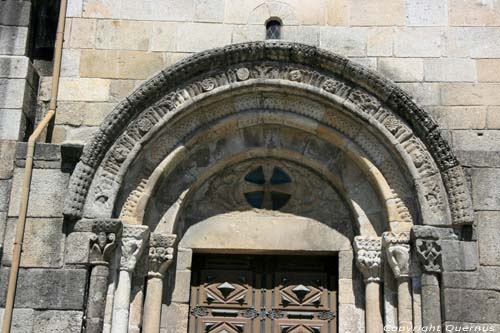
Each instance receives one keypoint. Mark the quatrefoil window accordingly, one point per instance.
(267, 187)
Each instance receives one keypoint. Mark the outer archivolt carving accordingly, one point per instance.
(375, 98)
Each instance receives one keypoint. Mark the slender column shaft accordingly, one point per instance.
(431, 300)
(97, 298)
(161, 253)
(122, 303)
(373, 316)
(152, 305)
(405, 306)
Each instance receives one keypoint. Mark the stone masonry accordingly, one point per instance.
(444, 53)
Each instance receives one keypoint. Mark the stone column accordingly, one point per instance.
(369, 262)
(102, 245)
(397, 250)
(429, 254)
(132, 245)
(161, 254)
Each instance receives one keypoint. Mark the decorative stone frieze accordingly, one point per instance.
(132, 245)
(397, 251)
(104, 240)
(289, 64)
(161, 253)
(368, 257)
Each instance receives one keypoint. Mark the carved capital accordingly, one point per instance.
(429, 254)
(132, 245)
(104, 240)
(368, 257)
(397, 250)
(161, 253)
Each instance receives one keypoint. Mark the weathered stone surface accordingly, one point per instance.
(119, 64)
(75, 8)
(70, 66)
(449, 69)
(182, 288)
(470, 94)
(488, 70)
(488, 224)
(459, 255)
(474, 13)
(83, 113)
(346, 41)
(214, 35)
(493, 117)
(160, 11)
(123, 35)
(58, 321)
(184, 258)
(338, 12)
(460, 117)
(11, 124)
(79, 135)
(474, 42)
(13, 40)
(380, 41)
(353, 320)
(417, 42)
(384, 12)
(83, 32)
(459, 302)
(77, 248)
(302, 34)
(47, 192)
(55, 288)
(15, 13)
(402, 69)
(84, 89)
(209, 10)
(487, 278)
(470, 140)
(485, 196)
(174, 317)
(247, 33)
(426, 13)
(43, 243)
(163, 36)
(478, 158)
(13, 66)
(4, 194)
(22, 320)
(423, 93)
(7, 155)
(12, 93)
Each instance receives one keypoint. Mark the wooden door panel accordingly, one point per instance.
(262, 294)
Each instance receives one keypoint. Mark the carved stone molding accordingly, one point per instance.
(429, 254)
(397, 250)
(103, 242)
(137, 116)
(368, 257)
(161, 253)
(132, 245)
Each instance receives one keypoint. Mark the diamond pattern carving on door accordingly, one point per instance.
(263, 294)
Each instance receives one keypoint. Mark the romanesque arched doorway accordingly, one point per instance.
(268, 148)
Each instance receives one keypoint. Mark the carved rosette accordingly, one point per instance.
(104, 240)
(429, 254)
(368, 257)
(161, 254)
(132, 245)
(397, 250)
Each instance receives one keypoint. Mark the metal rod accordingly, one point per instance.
(28, 171)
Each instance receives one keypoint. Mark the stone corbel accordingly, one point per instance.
(397, 250)
(368, 257)
(161, 253)
(103, 242)
(428, 248)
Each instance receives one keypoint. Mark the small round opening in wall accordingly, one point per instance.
(273, 29)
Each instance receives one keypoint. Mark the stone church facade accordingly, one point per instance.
(253, 166)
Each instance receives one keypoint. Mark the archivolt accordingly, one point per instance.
(261, 67)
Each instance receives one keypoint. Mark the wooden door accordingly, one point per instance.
(263, 294)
